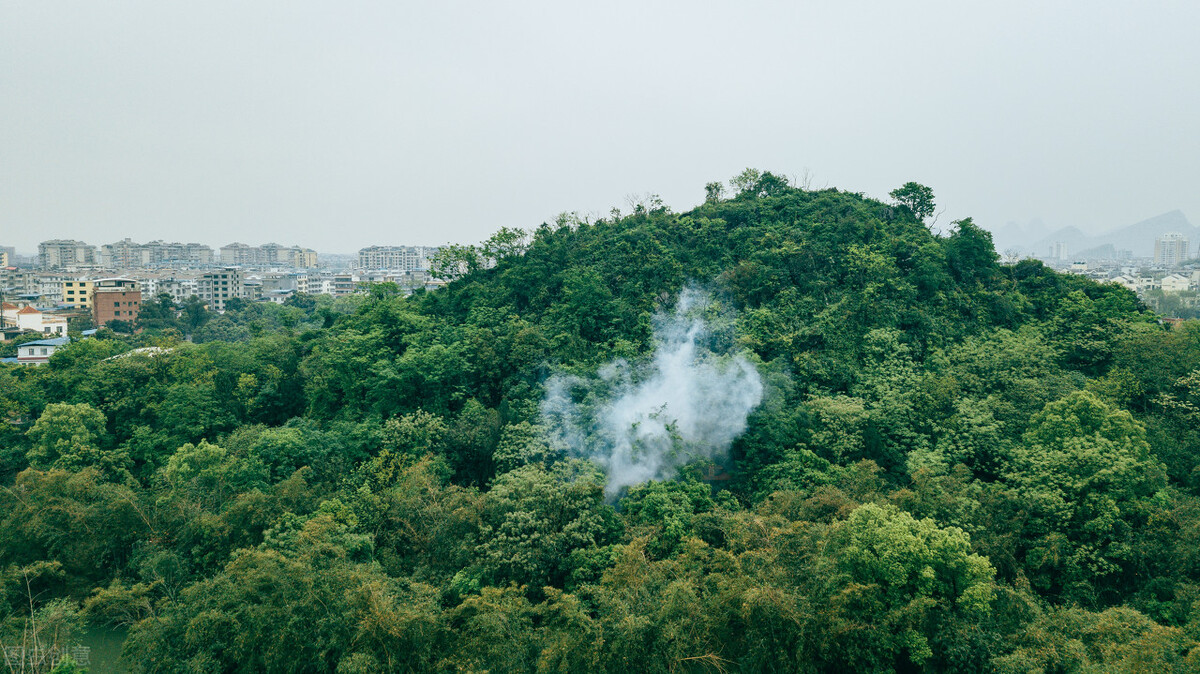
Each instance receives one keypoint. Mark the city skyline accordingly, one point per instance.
(429, 124)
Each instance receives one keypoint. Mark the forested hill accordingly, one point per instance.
(950, 464)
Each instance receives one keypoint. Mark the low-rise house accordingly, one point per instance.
(1126, 282)
(1174, 283)
(39, 352)
(31, 319)
(278, 296)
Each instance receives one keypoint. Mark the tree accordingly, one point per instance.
(755, 183)
(303, 601)
(455, 260)
(714, 191)
(1084, 477)
(969, 252)
(119, 326)
(507, 242)
(80, 322)
(916, 198)
(537, 518)
(158, 312)
(195, 314)
(895, 583)
(70, 437)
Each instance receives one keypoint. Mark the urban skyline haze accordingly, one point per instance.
(341, 126)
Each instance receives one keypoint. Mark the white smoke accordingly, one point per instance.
(642, 422)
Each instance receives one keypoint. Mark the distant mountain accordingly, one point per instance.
(1138, 237)
(1105, 252)
(1072, 236)
(1017, 235)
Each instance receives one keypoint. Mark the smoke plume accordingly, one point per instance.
(642, 421)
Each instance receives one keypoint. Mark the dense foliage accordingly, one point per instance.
(958, 465)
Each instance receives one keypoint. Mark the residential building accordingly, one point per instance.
(395, 258)
(344, 284)
(115, 299)
(18, 281)
(296, 282)
(8, 318)
(30, 319)
(268, 255)
(301, 258)
(278, 296)
(238, 254)
(1175, 283)
(65, 254)
(39, 352)
(164, 254)
(124, 254)
(252, 289)
(1126, 282)
(215, 288)
(321, 286)
(3, 258)
(180, 289)
(1058, 250)
(1170, 249)
(50, 287)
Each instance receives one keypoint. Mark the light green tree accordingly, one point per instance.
(895, 581)
(70, 436)
(1085, 476)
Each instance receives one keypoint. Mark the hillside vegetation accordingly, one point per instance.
(956, 465)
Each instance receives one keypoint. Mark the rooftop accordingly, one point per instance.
(57, 341)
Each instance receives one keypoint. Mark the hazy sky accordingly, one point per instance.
(341, 124)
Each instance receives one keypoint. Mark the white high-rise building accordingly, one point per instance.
(1058, 250)
(1170, 249)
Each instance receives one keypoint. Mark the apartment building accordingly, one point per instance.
(238, 254)
(77, 294)
(50, 287)
(128, 254)
(1170, 249)
(301, 258)
(115, 299)
(163, 253)
(65, 254)
(295, 282)
(19, 281)
(215, 288)
(268, 255)
(343, 284)
(124, 254)
(395, 258)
